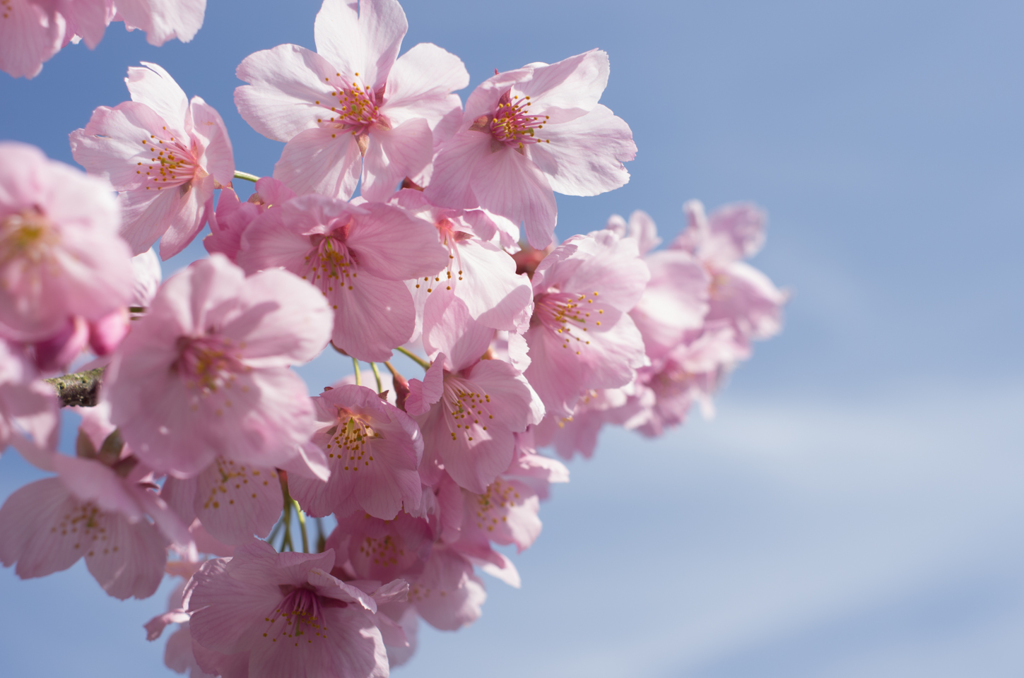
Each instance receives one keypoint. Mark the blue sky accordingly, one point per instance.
(855, 508)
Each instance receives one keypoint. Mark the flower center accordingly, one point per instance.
(348, 441)
(512, 124)
(491, 506)
(208, 363)
(566, 315)
(452, 272)
(465, 408)
(299, 614)
(331, 264)
(170, 164)
(26, 235)
(354, 108)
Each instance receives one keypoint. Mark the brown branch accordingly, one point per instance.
(79, 389)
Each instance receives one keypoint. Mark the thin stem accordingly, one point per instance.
(321, 542)
(287, 541)
(418, 360)
(302, 525)
(245, 175)
(376, 375)
(359, 377)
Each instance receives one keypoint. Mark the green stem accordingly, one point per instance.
(302, 525)
(376, 375)
(418, 360)
(245, 175)
(287, 541)
(359, 377)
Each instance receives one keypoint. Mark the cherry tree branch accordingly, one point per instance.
(79, 389)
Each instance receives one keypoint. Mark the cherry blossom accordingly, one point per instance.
(98, 507)
(165, 154)
(676, 297)
(205, 373)
(468, 409)
(232, 217)
(739, 292)
(529, 133)
(286, 613)
(479, 271)
(60, 255)
(352, 107)
(358, 256)
(373, 451)
(581, 336)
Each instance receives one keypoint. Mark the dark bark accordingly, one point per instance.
(79, 389)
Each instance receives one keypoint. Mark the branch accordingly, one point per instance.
(79, 389)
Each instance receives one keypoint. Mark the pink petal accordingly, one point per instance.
(163, 20)
(420, 83)
(393, 154)
(285, 84)
(509, 184)
(423, 394)
(154, 87)
(320, 160)
(449, 329)
(372, 318)
(393, 244)
(361, 37)
(28, 38)
(128, 561)
(584, 156)
(569, 88)
(234, 503)
(217, 158)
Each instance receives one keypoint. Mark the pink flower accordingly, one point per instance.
(739, 292)
(448, 595)
(358, 256)
(479, 272)
(690, 374)
(205, 373)
(286, 614)
(29, 414)
(528, 133)
(60, 255)
(163, 20)
(352, 99)
(468, 409)
(165, 155)
(675, 300)
(235, 500)
(581, 336)
(373, 450)
(579, 433)
(99, 508)
(504, 513)
(381, 550)
(29, 35)
(178, 655)
(232, 217)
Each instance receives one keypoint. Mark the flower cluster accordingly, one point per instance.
(205, 458)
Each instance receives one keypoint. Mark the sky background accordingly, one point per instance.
(855, 508)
